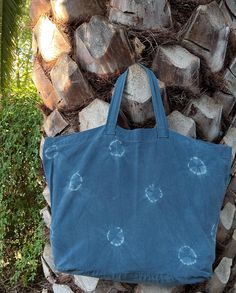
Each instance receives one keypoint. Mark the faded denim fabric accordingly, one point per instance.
(137, 205)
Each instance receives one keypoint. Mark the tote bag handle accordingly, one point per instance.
(162, 125)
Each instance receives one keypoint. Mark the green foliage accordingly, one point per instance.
(21, 227)
(20, 186)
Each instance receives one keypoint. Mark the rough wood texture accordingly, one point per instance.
(221, 276)
(47, 272)
(69, 83)
(67, 11)
(87, 284)
(45, 213)
(54, 124)
(48, 258)
(146, 14)
(207, 115)
(230, 140)
(136, 101)
(227, 101)
(207, 20)
(94, 115)
(230, 77)
(44, 86)
(158, 288)
(37, 8)
(46, 194)
(51, 41)
(61, 289)
(101, 47)
(176, 66)
(182, 124)
(228, 8)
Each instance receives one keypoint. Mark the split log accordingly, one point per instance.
(87, 284)
(102, 47)
(207, 20)
(230, 140)
(46, 217)
(230, 248)
(207, 115)
(227, 215)
(54, 123)
(51, 42)
(67, 11)
(220, 277)
(176, 66)
(94, 115)
(46, 194)
(230, 77)
(227, 101)
(38, 8)
(232, 186)
(182, 124)
(45, 291)
(44, 86)
(47, 272)
(136, 101)
(57, 288)
(69, 83)
(232, 41)
(141, 15)
(228, 8)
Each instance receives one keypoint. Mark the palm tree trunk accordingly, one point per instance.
(81, 47)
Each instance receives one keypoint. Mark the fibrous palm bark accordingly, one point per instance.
(80, 48)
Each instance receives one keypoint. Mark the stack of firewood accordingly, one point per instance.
(80, 47)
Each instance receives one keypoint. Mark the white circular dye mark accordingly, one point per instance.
(116, 148)
(153, 193)
(197, 166)
(187, 255)
(116, 236)
(51, 152)
(213, 231)
(75, 181)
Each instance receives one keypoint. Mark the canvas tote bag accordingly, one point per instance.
(137, 205)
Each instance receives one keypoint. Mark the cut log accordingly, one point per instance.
(230, 248)
(227, 215)
(69, 83)
(182, 124)
(87, 284)
(228, 8)
(57, 288)
(176, 66)
(46, 217)
(51, 42)
(207, 20)
(44, 86)
(38, 8)
(220, 277)
(47, 272)
(232, 41)
(136, 100)
(147, 14)
(67, 11)
(207, 115)
(227, 101)
(54, 123)
(102, 47)
(230, 140)
(230, 77)
(46, 194)
(94, 115)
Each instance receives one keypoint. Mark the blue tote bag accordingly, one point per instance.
(138, 205)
